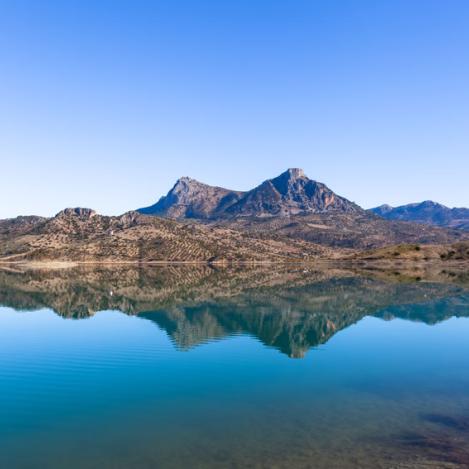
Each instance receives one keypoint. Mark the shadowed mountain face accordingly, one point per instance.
(427, 212)
(291, 310)
(290, 193)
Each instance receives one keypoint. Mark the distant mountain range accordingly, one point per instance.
(291, 193)
(427, 212)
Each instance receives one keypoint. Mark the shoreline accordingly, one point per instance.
(383, 263)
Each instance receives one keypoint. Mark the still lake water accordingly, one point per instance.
(201, 368)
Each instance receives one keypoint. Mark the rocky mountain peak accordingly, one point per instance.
(186, 181)
(382, 209)
(190, 198)
(294, 173)
(430, 204)
(291, 193)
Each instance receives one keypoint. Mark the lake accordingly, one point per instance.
(199, 367)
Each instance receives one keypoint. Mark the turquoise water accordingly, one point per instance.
(297, 369)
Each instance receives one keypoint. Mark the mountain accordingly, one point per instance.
(427, 212)
(82, 235)
(192, 199)
(293, 206)
(291, 193)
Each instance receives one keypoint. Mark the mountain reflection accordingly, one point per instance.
(291, 309)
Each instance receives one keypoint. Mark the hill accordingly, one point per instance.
(81, 235)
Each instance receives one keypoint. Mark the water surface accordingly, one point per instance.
(197, 367)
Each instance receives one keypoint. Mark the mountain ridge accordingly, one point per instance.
(290, 193)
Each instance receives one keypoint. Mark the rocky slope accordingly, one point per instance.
(192, 199)
(20, 225)
(290, 193)
(81, 235)
(427, 212)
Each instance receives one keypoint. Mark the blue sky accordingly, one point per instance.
(105, 104)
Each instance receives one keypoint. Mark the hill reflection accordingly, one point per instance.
(291, 309)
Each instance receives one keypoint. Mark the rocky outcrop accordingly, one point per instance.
(83, 213)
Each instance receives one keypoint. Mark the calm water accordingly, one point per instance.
(195, 367)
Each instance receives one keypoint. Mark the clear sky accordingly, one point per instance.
(104, 104)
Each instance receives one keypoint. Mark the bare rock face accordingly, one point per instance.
(83, 213)
(291, 193)
(192, 199)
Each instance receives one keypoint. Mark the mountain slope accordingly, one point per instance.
(192, 199)
(81, 235)
(362, 230)
(426, 212)
(290, 193)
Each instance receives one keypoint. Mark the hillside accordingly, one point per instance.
(416, 252)
(345, 230)
(81, 235)
(427, 212)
